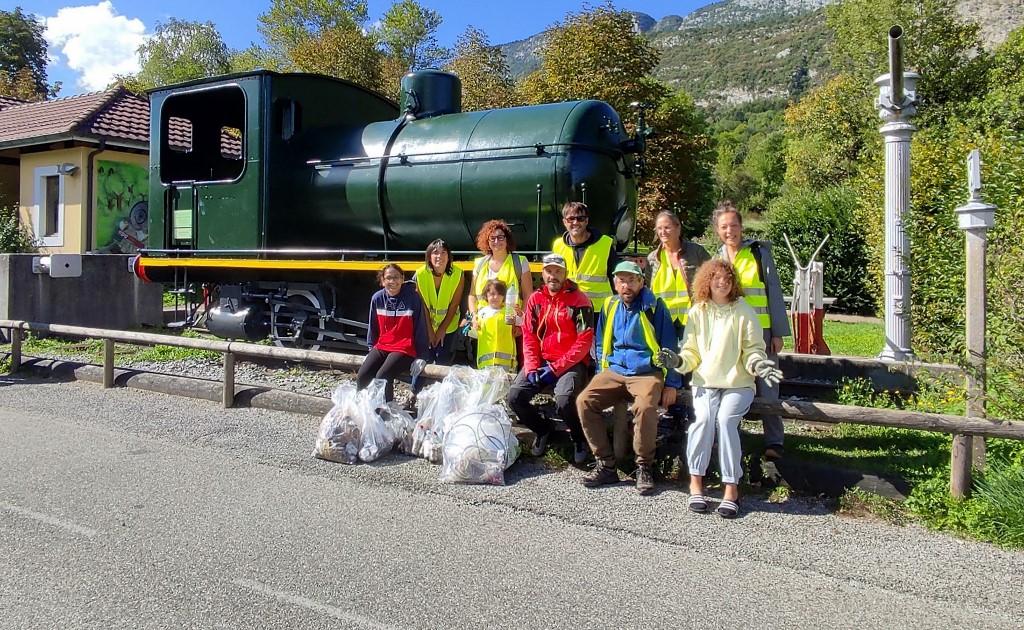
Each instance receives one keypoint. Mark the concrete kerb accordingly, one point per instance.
(804, 477)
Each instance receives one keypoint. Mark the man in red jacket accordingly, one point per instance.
(558, 331)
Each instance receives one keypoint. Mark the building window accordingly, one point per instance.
(48, 213)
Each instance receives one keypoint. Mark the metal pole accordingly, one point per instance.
(229, 380)
(108, 363)
(975, 218)
(896, 105)
(15, 349)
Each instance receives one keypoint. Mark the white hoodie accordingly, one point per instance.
(721, 345)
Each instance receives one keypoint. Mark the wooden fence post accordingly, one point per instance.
(229, 379)
(15, 349)
(108, 363)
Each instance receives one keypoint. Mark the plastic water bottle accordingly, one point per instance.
(511, 301)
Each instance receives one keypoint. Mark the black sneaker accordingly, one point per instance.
(601, 476)
(540, 445)
(644, 479)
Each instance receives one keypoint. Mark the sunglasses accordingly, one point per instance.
(580, 218)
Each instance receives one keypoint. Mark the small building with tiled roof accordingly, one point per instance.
(78, 169)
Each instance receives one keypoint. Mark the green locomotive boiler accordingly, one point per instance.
(281, 194)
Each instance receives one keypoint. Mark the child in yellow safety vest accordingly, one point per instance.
(496, 345)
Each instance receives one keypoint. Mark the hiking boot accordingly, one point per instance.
(540, 445)
(580, 451)
(774, 451)
(644, 479)
(601, 476)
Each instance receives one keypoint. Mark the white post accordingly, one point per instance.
(896, 110)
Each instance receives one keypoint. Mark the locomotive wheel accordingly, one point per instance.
(298, 324)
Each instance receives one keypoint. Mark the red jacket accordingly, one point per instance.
(557, 329)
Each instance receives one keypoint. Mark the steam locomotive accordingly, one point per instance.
(277, 196)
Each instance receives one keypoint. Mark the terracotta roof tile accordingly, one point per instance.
(7, 101)
(114, 114)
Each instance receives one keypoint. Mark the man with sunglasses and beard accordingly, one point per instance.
(589, 255)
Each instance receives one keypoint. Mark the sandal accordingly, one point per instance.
(728, 509)
(697, 503)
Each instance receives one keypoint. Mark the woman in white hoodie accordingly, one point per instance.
(723, 345)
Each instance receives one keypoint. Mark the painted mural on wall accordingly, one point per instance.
(122, 207)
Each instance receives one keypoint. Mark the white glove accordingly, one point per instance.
(667, 359)
(766, 370)
(417, 367)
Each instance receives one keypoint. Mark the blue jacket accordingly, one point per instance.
(630, 355)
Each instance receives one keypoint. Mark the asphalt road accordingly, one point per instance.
(125, 509)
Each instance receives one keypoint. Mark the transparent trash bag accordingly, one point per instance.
(353, 430)
(479, 446)
(402, 424)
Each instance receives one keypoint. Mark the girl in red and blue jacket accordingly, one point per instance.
(398, 330)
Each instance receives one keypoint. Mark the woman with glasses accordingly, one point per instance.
(441, 285)
(398, 330)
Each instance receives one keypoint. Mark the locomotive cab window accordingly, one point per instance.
(203, 136)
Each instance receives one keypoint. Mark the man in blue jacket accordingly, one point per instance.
(632, 328)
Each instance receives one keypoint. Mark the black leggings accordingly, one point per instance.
(385, 365)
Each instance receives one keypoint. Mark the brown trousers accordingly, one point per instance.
(608, 388)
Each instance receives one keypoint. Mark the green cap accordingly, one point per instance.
(628, 266)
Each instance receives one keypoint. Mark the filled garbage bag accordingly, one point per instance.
(478, 446)
(353, 430)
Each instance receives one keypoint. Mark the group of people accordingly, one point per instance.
(600, 331)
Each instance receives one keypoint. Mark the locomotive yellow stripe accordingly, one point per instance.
(296, 265)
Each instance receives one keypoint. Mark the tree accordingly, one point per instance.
(486, 79)
(344, 52)
(181, 51)
(597, 54)
(938, 43)
(290, 22)
(679, 176)
(23, 57)
(408, 34)
(1004, 104)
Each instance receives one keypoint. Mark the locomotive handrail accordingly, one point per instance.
(537, 147)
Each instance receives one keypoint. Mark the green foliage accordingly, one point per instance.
(408, 33)
(182, 51)
(345, 52)
(23, 57)
(807, 216)
(290, 22)
(486, 80)
(931, 502)
(595, 54)
(15, 238)
(855, 502)
(939, 44)
(1004, 103)
(829, 131)
(1002, 489)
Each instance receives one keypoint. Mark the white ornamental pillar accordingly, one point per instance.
(895, 106)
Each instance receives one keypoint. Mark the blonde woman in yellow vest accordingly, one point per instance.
(589, 255)
(496, 340)
(673, 265)
(441, 285)
(762, 290)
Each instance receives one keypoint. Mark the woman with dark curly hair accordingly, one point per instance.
(499, 261)
(723, 345)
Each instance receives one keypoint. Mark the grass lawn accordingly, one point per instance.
(860, 339)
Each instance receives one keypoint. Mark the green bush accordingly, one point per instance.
(14, 238)
(806, 216)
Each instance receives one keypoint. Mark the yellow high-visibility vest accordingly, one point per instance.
(650, 336)
(496, 344)
(753, 289)
(671, 287)
(507, 274)
(437, 300)
(591, 275)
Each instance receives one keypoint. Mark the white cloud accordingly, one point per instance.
(95, 42)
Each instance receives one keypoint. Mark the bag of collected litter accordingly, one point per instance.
(435, 403)
(402, 425)
(478, 446)
(353, 430)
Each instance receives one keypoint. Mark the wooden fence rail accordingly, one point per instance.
(798, 410)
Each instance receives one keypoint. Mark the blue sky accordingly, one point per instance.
(90, 43)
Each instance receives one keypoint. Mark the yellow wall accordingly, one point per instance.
(75, 190)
